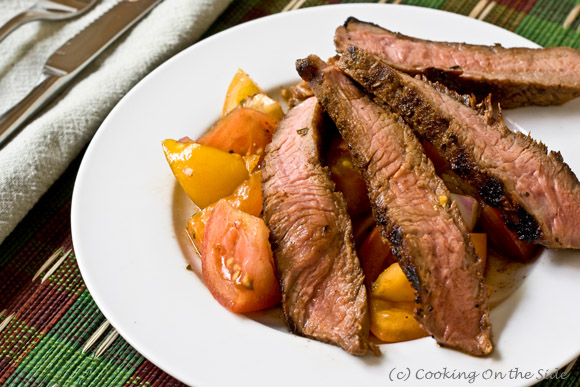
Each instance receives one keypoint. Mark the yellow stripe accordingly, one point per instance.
(487, 10)
(478, 8)
(289, 6)
(298, 4)
(572, 16)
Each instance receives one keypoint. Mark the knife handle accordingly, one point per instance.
(12, 120)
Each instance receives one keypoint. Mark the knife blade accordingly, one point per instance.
(70, 59)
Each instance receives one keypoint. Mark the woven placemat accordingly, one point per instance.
(48, 323)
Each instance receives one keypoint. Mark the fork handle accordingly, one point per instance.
(11, 121)
(17, 21)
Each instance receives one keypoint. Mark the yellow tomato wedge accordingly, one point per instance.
(247, 198)
(243, 91)
(206, 174)
(393, 285)
(479, 241)
(263, 103)
(392, 304)
(252, 162)
(240, 88)
(394, 322)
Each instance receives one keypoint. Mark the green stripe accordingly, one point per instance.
(57, 361)
(14, 346)
(572, 39)
(80, 321)
(543, 32)
(426, 3)
(545, 9)
(57, 358)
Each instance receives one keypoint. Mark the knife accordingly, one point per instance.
(70, 59)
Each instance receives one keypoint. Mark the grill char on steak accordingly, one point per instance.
(409, 204)
(515, 76)
(323, 291)
(537, 193)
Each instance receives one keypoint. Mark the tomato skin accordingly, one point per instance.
(241, 87)
(362, 226)
(394, 322)
(479, 241)
(196, 166)
(441, 165)
(375, 256)
(247, 197)
(505, 240)
(237, 262)
(243, 131)
(347, 178)
(391, 307)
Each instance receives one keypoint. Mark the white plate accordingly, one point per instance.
(126, 225)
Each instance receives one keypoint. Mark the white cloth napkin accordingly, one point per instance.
(33, 160)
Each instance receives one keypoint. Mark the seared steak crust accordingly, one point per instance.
(323, 291)
(537, 193)
(411, 207)
(515, 76)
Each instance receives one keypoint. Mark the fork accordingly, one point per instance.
(47, 10)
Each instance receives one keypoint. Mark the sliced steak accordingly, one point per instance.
(537, 193)
(515, 76)
(323, 291)
(412, 208)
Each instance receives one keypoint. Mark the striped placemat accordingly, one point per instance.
(52, 333)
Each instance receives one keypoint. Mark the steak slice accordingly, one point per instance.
(536, 192)
(515, 76)
(412, 208)
(322, 284)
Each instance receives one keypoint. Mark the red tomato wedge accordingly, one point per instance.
(440, 164)
(347, 178)
(505, 240)
(237, 262)
(375, 256)
(243, 131)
